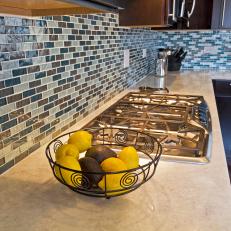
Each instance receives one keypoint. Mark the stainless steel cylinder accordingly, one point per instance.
(161, 67)
(159, 82)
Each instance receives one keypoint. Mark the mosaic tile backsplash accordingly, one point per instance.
(206, 49)
(55, 70)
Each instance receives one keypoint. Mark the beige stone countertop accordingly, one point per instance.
(182, 197)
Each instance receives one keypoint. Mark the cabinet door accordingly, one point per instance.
(144, 13)
(221, 14)
(226, 14)
(202, 15)
(56, 7)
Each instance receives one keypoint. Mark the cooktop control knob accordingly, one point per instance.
(203, 106)
(203, 113)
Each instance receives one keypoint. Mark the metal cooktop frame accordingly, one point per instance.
(175, 120)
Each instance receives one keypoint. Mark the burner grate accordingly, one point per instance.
(173, 119)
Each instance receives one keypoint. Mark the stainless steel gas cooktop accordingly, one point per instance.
(181, 123)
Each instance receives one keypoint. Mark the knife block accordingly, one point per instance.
(173, 63)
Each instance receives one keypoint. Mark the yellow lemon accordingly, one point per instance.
(112, 183)
(130, 157)
(66, 150)
(81, 139)
(67, 176)
(113, 164)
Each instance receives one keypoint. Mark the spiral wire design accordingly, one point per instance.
(77, 179)
(128, 180)
(57, 144)
(121, 137)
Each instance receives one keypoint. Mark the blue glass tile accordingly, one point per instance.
(65, 62)
(48, 106)
(50, 58)
(2, 84)
(17, 55)
(67, 109)
(4, 57)
(58, 114)
(76, 55)
(28, 93)
(32, 121)
(60, 69)
(79, 108)
(61, 82)
(63, 50)
(6, 166)
(40, 75)
(53, 98)
(70, 25)
(9, 124)
(58, 31)
(71, 37)
(66, 18)
(25, 62)
(12, 82)
(45, 128)
(25, 131)
(14, 38)
(49, 44)
(71, 101)
(57, 77)
(29, 38)
(2, 101)
(22, 30)
(30, 54)
(17, 72)
(70, 79)
(27, 22)
(2, 21)
(4, 118)
(40, 23)
(2, 30)
(76, 66)
(36, 97)
(48, 17)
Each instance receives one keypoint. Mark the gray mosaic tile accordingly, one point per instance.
(207, 46)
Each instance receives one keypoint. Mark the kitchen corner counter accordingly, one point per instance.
(182, 197)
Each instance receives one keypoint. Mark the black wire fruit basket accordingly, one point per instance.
(148, 148)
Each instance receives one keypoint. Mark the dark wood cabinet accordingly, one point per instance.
(221, 14)
(146, 13)
(202, 15)
(57, 7)
(157, 14)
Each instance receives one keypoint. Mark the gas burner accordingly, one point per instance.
(180, 122)
(171, 140)
(150, 89)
